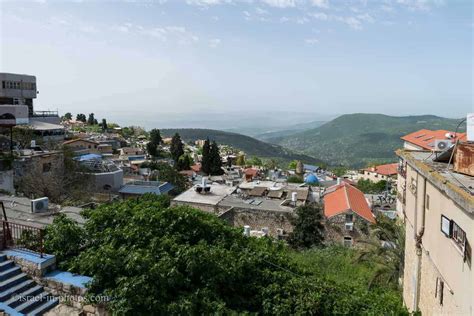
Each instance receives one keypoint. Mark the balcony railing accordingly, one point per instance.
(21, 236)
(45, 114)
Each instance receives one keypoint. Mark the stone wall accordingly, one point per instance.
(257, 219)
(336, 229)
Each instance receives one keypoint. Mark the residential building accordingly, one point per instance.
(82, 146)
(387, 172)
(425, 139)
(436, 204)
(348, 215)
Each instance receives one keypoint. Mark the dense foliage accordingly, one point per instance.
(370, 187)
(308, 228)
(176, 147)
(163, 172)
(355, 139)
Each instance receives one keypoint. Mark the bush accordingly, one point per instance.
(64, 238)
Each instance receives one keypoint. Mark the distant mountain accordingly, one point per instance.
(287, 131)
(356, 139)
(251, 146)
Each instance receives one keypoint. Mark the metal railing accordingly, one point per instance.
(21, 236)
(45, 114)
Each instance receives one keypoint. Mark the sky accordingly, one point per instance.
(155, 59)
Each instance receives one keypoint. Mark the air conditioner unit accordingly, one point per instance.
(442, 145)
(39, 205)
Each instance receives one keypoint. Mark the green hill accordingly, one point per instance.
(357, 139)
(251, 146)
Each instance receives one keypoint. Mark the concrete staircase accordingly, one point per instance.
(20, 295)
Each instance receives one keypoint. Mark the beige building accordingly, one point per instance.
(378, 173)
(436, 205)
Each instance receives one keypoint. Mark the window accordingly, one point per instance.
(349, 218)
(446, 226)
(439, 290)
(348, 241)
(427, 202)
(3, 84)
(468, 253)
(458, 235)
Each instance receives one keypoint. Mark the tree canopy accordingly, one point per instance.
(308, 228)
(155, 137)
(176, 148)
(150, 258)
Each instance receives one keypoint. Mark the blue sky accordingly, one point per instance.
(329, 57)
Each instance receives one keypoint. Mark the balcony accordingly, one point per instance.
(45, 114)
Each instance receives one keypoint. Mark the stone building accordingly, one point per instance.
(348, 215)
(436, 204)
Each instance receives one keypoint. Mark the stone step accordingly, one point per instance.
(6, 264)
(9, 273)
(43, 308)
(24, 296)
(33, 303)
(3, 257)
(5, 295)
(17, 279)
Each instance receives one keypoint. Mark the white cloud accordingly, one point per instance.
(280, 3)
(261, 11)
(284, 19)
(205, 3)
(213, 43)
(320, 16)
(311, 41)
(366, 18)
(352, 22)
(420, 5)
(320, 3)
(302, 20)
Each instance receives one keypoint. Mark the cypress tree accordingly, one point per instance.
(216, 160)
(176, 148)
(206, 157)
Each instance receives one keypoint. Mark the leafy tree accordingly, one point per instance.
(81, 117)
(164, 172)
(64, 238)
(292, 165)
(23, 135)
(155, 259)
(176, 148)
(152, 149)
(386, 251)
(206, 160)
(67, 116)
(308, 228)
(104, 124)
(240, 161)
(339, 171)
(216, 160)
(271, 164)
(155, 137)
(295, 179)
(185, 162)
(255, 161)
(91, 120)
(369, 187)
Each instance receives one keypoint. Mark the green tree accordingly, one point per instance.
(240, 161)
(292, 165)
(67, 116)
(81, 117)
(64, 238)
(216, 160)
(176, 148)
(255, 161)
(91, 120)
(308, 228)
(155, 137)
(104, 124)
(185, 162)
(152, 149)
(206, 157)
(165, 173)
(295, 179)
(385, 251)
(369, 187)
(339, 171)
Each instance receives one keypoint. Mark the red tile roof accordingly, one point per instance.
(425, 138)
(80, 140)
(344, 198)
(386, 170)
(251, 172)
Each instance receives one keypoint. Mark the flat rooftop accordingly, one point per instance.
(18, 210)
(458, 186)
(255, 203)
(217, 193)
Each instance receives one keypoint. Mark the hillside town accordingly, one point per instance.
(56, 166)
